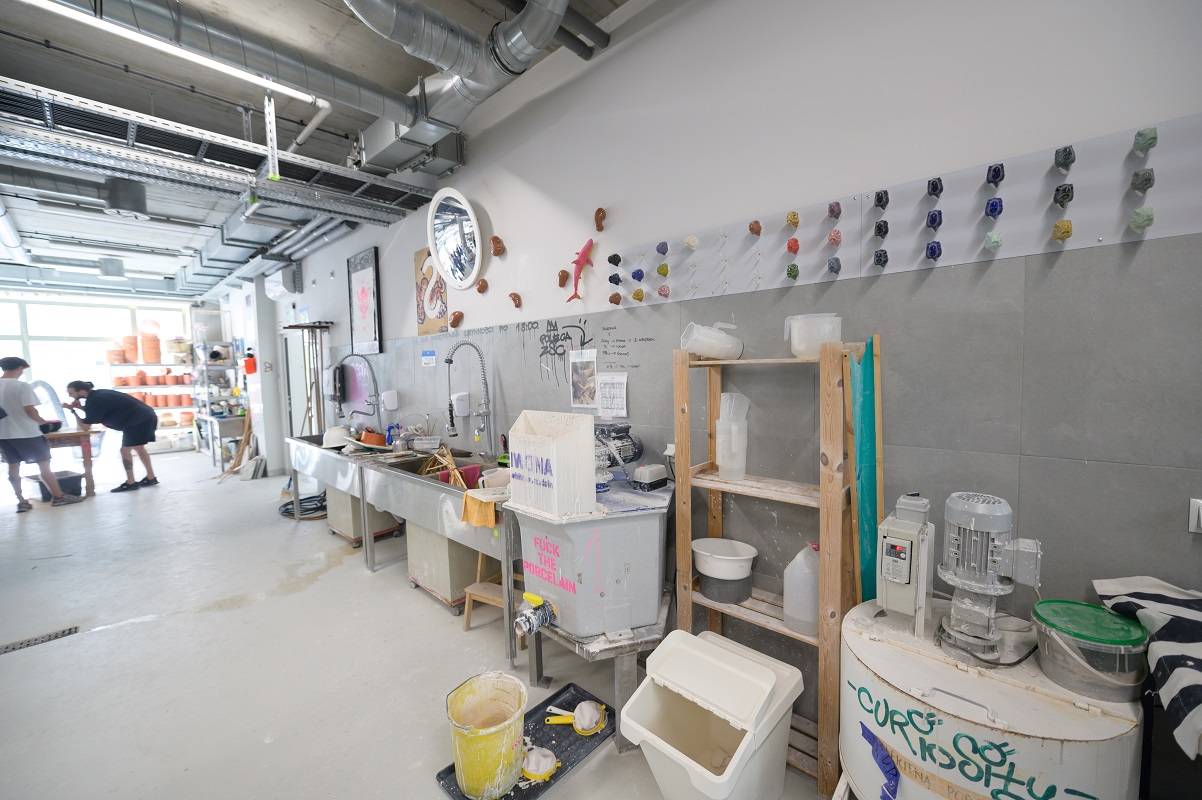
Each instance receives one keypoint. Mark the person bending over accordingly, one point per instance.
(20, 437)
(120, 412)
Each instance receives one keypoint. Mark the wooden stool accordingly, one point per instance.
(487, 592)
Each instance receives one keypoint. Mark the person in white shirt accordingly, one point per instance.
(20, 437)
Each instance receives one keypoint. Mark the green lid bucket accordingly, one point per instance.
(1090, 623)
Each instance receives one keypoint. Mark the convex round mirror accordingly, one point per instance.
(454, 237)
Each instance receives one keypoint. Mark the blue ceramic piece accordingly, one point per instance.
(880, 258)
(615, 279)
(934, 219)
(881, 199)
(993, 207)
(935, 187)
(934, 250)
(662, 248)
(637, 275)
(881, 229)
(834, 265)
(995, 174)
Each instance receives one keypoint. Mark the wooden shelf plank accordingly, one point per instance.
(800, 494)
(806, 726)
(799, 760)
(705, 362)
(755, 616)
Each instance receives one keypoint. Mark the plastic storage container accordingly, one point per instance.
(487, 715)
(1091, 650)
(806, 333)
(725, 567)
(801, 592)
(731, 429)
(712, 718)
(711, 342)
(551, 463)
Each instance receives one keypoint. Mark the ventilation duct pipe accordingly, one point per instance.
(322, 240)
(574, 23)
(91, 192)
(303, 233)
(169, 21)
(320, 230)
(10, 238)
(478, 68)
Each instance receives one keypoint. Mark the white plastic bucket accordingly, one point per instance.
(725, 559)
(806, 333)
(711, 342)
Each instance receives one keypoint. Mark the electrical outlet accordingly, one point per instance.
(1195, 515)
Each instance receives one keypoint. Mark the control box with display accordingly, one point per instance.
(905, 559)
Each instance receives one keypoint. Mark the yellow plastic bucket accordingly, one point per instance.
(487, 715)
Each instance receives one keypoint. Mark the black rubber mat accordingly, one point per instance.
(569, 747)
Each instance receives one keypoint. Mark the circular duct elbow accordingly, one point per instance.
(125, 198)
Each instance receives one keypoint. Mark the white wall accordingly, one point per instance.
(706, 112)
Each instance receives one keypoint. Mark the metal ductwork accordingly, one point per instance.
(478, 69)
(48, 183)
(170, 21)
(125, 198)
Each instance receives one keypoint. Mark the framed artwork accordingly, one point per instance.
(363, 280)
(432, 309)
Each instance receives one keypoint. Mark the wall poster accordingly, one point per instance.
(432, 309)
(363, 280)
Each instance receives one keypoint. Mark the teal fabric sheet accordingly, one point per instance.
(863, 386)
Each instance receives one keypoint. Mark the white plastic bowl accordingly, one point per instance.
(724, 559)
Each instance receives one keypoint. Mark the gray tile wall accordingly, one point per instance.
(1071, 386)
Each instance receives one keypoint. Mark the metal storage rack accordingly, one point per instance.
(174, 433)
(813, 748)
(212, 431)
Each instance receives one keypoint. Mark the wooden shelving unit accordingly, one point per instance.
(813, 747)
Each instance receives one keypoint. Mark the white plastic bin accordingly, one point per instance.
(551, 463)
(712, 718)
(806, 333)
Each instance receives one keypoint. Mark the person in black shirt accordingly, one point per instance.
(120, 412)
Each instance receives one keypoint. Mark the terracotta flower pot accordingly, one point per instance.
(154, 380)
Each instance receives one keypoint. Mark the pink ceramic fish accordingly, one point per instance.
(582, 261)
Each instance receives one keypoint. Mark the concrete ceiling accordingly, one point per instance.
(46, 50)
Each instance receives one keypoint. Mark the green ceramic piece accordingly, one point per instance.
(1145, 140)
(993, 241)
(662, 269)
(792, 272)
(1142, 219)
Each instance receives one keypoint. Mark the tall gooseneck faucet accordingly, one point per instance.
(483, 431)
(373, 399)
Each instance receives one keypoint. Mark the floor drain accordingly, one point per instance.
(45, 637)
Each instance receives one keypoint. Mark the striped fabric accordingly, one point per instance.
(1173, 618)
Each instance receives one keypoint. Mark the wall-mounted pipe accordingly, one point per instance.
(323, 111)
(299, 244)
(10, 238)
(288, 241)
(323, 239)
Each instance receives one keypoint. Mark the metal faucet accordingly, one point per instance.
(483, 412)
(373, 399)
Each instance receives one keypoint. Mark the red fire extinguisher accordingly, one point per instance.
(249, 366)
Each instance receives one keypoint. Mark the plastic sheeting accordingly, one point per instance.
(863, 387)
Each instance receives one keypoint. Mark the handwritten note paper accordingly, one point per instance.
(611, 394)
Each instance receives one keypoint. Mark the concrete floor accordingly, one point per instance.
(226, 652)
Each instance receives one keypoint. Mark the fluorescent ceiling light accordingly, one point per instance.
(170, 49)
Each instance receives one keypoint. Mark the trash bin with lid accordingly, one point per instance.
(712, 718)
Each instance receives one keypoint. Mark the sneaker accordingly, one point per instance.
(127, 487)
(149, 482)
(66, 500)
(23, 506)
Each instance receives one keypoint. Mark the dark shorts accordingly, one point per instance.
(139, 434)
(33, 450)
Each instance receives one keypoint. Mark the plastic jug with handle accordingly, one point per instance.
(806, 333)
(801, 592)
(711, 342)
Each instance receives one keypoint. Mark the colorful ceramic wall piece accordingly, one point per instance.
(1065, 158)
(615, 298)
(1063, 195)
(637, 276)
(935, 187)
(615, 279)
(792, 271)
(934, 251)
(581, 261)
(481, 286)
(834, 238)
(934, 219)
(663, 248)
(599, 219)
(880, 258)
(637, 294)
(1062, 231)
(995, 174)
(662, 270)
(496, 246)
(793, 246)
(690, 242)
(792, 219)
(1145, 140)
(881, 228)
(563, 278)
(834, 265)
(1142, 219)
(1142, 180)
(456, 319)
(755, 227)
(993, 241)
(615, 259)
(664, 291)
(880, 199)
(834, 210)
(516, 298)
(993, 207)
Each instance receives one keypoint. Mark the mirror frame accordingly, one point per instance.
(451, 280)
